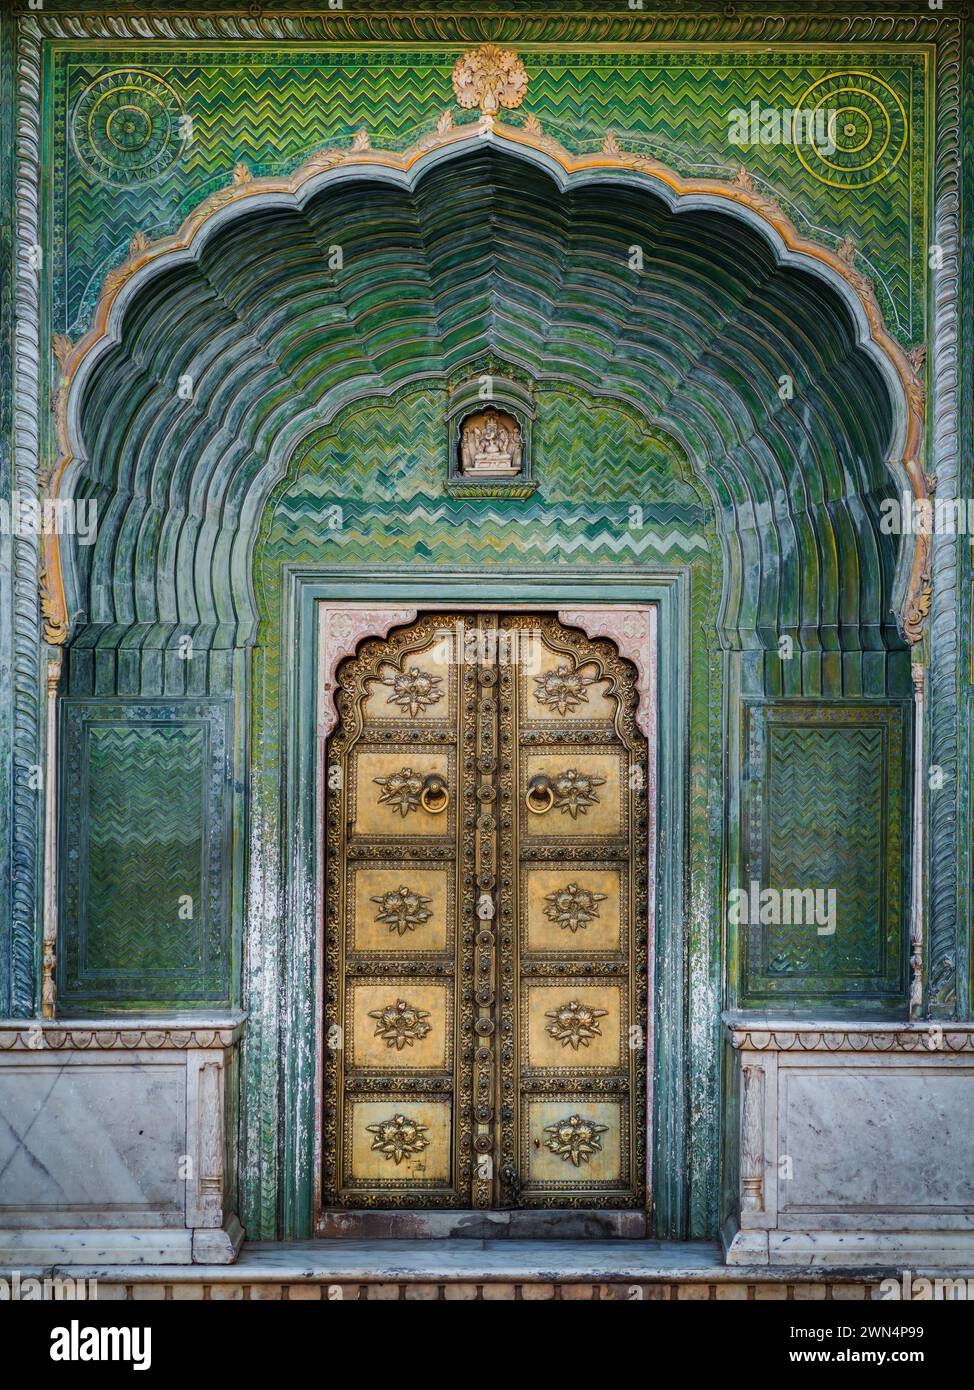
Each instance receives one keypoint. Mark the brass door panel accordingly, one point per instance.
(485, 928)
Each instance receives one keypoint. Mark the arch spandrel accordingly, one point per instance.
(204, 508)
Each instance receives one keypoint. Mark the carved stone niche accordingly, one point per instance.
(490, 424)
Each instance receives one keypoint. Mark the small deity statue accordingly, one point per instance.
(491, 445)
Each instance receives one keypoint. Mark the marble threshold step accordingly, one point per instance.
(473, 1270)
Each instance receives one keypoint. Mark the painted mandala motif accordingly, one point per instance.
(574, 1025)
(865, 128)
(402, 910)
(575, 791)
(413, 689)
(127, 127)
(562, 689)
(401, 790)
(399, 1138)
(573, 907)
(575, 1139)
(400, 1024)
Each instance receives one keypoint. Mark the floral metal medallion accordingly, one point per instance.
(575, 1139)
(413, 689)
(572, 907)
(562, 689)
(402, 910)
(399, 1137)
(400, 1024)
(575, 791)
(401, 790)
(573, 1024)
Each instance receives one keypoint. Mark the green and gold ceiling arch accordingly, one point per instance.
(283, 300)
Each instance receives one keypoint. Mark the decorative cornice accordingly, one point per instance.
(928, 1038)
(737, 194)
(868, 22)
(45, 1035)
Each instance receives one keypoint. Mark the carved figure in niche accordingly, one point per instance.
(491, 445)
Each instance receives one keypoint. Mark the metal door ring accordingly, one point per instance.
(540, 795)
(435, 796)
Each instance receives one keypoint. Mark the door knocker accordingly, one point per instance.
(540, 795)
(435, 796)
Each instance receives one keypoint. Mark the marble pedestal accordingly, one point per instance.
(848, 1143)
(117, 1139)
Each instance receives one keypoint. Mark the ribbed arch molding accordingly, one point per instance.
(486, 254)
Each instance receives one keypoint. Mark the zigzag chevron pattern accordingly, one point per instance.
(144, 849)
(591, 450)
(273, 112)
(825, 812)
(827, 828)
(385, 465)
(600, 451)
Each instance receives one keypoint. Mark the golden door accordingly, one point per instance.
(485, 985)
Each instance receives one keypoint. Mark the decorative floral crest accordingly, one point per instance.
(490, 77)
(574, 1025)
(402, 910)
(575, 1140)
(413, 689)
(563, 689)
(400, 1024)
(399, 1137)
(401, 790)
(575, 791)
(573, 907)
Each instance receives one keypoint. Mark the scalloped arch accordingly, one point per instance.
(488, 239)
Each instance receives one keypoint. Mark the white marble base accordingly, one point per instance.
(116, 1141)
(218, 1247)
(848, 1144)
(895, 1250)
(21, 1249)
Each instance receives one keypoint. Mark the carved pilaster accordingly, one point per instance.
(205, 1138)
(752, 1139)
(27, 272)
(917, 858)
(49, 962)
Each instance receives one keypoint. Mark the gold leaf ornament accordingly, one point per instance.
(575, 1140)
(413, 689)
(400, 1024)
(574, 1025)
(403, 910)
(401, 790)
(573, 907)
(563, 689)
(399, 1137)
